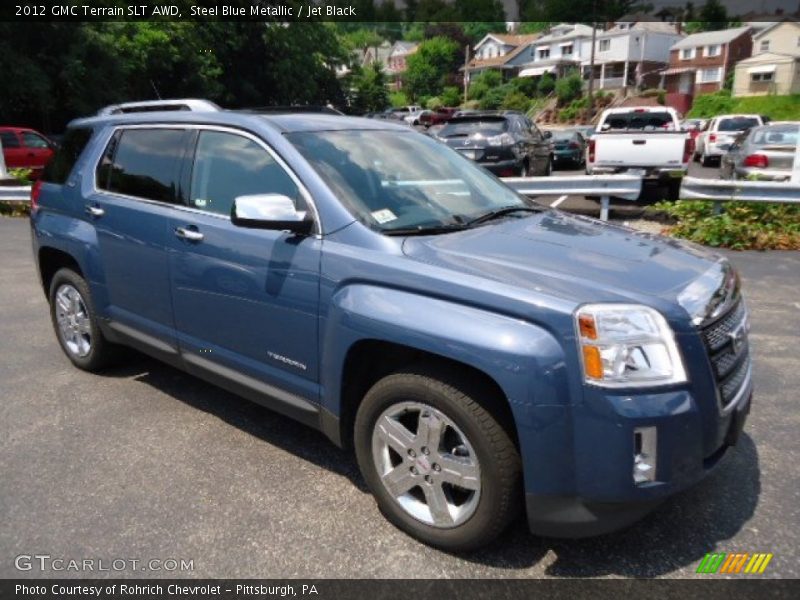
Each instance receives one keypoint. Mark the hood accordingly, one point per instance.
(570, 257)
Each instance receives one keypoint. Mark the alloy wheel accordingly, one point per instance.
(74, 325)
(427, 464)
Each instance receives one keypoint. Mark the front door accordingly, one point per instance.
(246, 301)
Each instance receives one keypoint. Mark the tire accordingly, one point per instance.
(705, 160)
(80, 336)
(548, 170)
(482, 452)
(524, 170)
(674, 189)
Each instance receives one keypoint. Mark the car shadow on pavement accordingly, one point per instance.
(267, 425)
(676, 534)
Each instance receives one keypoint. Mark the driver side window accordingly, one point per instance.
(228, 165)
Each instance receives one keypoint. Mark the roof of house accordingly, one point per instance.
(648, 26)
(772, 26)
(710, 37)
(573, 30)
(403, 47)
(497, 60)
(508, 39)
(768, 57)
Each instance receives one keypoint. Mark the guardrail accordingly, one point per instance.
(627, 186)
(724, 190)
(17, 193)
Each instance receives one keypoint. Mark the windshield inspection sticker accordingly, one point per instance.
(383, 216)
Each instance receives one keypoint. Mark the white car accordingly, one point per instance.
(412, 118)
(644, 139)
(719, 134)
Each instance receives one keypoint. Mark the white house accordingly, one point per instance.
(627, 54)
(500, 52)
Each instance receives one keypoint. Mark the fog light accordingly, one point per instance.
(644, 455)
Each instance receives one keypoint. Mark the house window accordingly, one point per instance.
(566, 50)
(708, 75)
(765, 46)
(544, 53)
(713, 50)
(687, 54)
(761, 77)
(604, 45)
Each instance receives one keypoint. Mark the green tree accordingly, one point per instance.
(547, 84)
(569, 88)
(515, 100)
(483, 82)
(370, 93)
(428, 67)
(450, 96)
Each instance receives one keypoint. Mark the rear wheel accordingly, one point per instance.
(705, 160)
(75, 322)
(674, 189)
(441, 467)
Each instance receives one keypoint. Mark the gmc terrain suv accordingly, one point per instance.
(481, 353)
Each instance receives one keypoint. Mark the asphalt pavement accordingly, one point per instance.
(145, 462)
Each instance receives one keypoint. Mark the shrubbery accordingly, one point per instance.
(779, 108)
(741, 226)
(569, 88)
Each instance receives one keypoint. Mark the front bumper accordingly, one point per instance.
(662, 174)
(607, 497)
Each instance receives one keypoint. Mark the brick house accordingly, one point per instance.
(699, 64)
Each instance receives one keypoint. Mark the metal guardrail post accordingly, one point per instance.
(3, 172)
(605, 201)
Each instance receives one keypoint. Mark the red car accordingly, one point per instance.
(25, 149)
(434, 117)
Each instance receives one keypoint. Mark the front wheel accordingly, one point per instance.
(441, 467)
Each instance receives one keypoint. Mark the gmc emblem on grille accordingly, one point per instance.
(737, 338)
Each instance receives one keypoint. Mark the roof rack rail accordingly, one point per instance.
(190, 104)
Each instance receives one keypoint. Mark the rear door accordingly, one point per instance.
(136, 192)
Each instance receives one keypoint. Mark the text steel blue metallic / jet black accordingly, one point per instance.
(481, 354)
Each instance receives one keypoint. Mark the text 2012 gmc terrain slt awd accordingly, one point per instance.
(481, 353)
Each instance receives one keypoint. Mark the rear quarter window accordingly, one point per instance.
(9, 139)
(61, 165)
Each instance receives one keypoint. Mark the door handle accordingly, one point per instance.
(639, 142)
(94, 211)
(189, 234)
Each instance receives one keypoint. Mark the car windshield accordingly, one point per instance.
(638, 120)
(737, 123)
(563, 136)
(398, 181)
(486, 127)
(785, 135)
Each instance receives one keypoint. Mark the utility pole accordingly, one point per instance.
(590, 104)
(466, 71)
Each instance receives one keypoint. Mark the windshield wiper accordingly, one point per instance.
(501, 212)
(429, 230)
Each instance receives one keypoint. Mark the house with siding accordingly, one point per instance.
(774, 67)
(699, 64)
(396, 62)
(500, 52)
(628, 53)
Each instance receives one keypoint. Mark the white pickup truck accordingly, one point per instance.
(647, 139)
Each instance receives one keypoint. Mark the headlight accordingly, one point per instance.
(627, 345)
(504, 139)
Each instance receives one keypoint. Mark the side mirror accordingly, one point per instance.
(548, 134)
(270, 211)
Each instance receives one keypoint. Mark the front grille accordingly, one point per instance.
(726, 342)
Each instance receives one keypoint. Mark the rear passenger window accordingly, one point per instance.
(227, 165)
(9, 139)
(31, 140)
(143, 163)
(60, 166)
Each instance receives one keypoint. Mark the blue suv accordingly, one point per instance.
(482, 354)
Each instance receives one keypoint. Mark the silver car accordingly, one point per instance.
(767, 151)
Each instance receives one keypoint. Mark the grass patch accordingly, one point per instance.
(779, 108)
(741, 225)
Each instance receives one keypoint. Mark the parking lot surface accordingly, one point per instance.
(145, 462)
